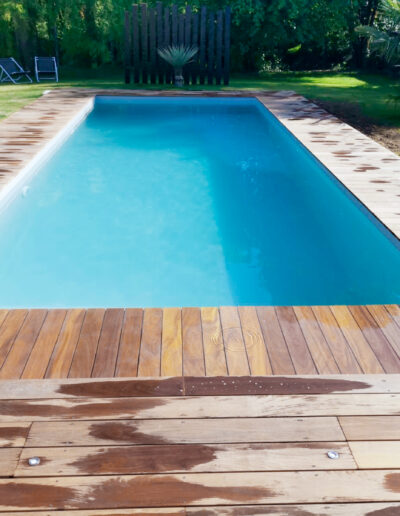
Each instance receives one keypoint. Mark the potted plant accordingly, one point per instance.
(178, 56)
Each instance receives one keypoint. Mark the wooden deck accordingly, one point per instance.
(105, 343)
(191, 446)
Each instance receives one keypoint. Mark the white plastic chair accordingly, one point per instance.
(46, 68)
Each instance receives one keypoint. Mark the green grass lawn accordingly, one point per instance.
(369, 91)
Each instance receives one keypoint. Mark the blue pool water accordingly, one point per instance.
(182, 202)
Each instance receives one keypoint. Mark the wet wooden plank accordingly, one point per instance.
(376, 339)
(23, 344)
(184, 431)
(376, 454)
(338, 344)
(128, 354)
(150, 350)
(214, 352)
(193, 353)
(255, 347)
(61, 358)
(14, 434)
(9, 331)
(195, 489)
(347, 509)
(138, 459)
(299, 352)
(199, 407)
(319, 349)
(360, 347)
(369, 428)
(107, 349)
(85, 353)
(278, 352)
(42, 350)
(235, 350)
(171, 350)
(387, 325)
(8, 461)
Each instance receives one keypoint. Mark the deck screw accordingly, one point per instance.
(34, 461)
(332, 454)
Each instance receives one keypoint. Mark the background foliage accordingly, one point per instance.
(89, 32)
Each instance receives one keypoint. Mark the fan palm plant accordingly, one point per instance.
(178, 56)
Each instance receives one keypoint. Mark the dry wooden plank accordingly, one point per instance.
(299, 352)
(376, 454)
(214, 353)
(200, 406)
(128, 355)
(9, 331)
(376, 339)
(13, 435)
(193, 353)
(360, 347)
(340, 349)
(387, 325)
(347, 509)
(42, 350)
(184, 431)
(235, 350)
(23, 344)
(8, 461)
(255, 347)
(150, 349)
(107, 349)
(60, 361)
(171, 511)
(319, 349)
(278, 353)
(394, 311)
(176, 458)
(3, 315)
(83, 360)
(196, 489)
(171, 350)
(371, 428)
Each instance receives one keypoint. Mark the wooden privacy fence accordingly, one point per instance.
(147, 29)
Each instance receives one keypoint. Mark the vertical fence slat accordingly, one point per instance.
(195, 42)
(152, 46)
(187, 37)
(227, 44)
(218, 60)
(145, 42)
(174, 24)
(167, 42)
(202, 51)
(181, 29)
(135, 44)
(210, 54)
(159, 43)
(127, 48)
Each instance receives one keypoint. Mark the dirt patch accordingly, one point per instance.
(386, 135)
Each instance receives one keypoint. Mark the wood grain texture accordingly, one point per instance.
(129, 347)
(171, 354)
(376, 454)
(214, 352)
(369, 428)
(254, 341)
(235, 350)
(150, 350)
(107, 349)
(192, 335)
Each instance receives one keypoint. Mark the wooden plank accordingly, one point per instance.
(135, 43)
(152, 44)
(227, 44)
(42, 350)
(184, 431)
(194, 458)
(199, 407)
(170, 511)
(9, 331)
(3, 315)
(278, 353)
(218, 57)
(210, 49)
(299, 352)
(107, 349)
(214, 353)
(150, 350)
(14, 434)
(255, 347)
(195, 489)
(193, 353)
(171, 355)
(8, 461)
(338, 344)
(376, 454)
(128, 354)
(387, 325)
(23, 344)
(360, 347)
(202, 44)
(83, 360)
(235, 350)
(160, 42)
(369, 428)
(61, 358)
(376, 339)
(144, 41)
(394, 311)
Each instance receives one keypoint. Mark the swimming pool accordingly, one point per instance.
(189, 202)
